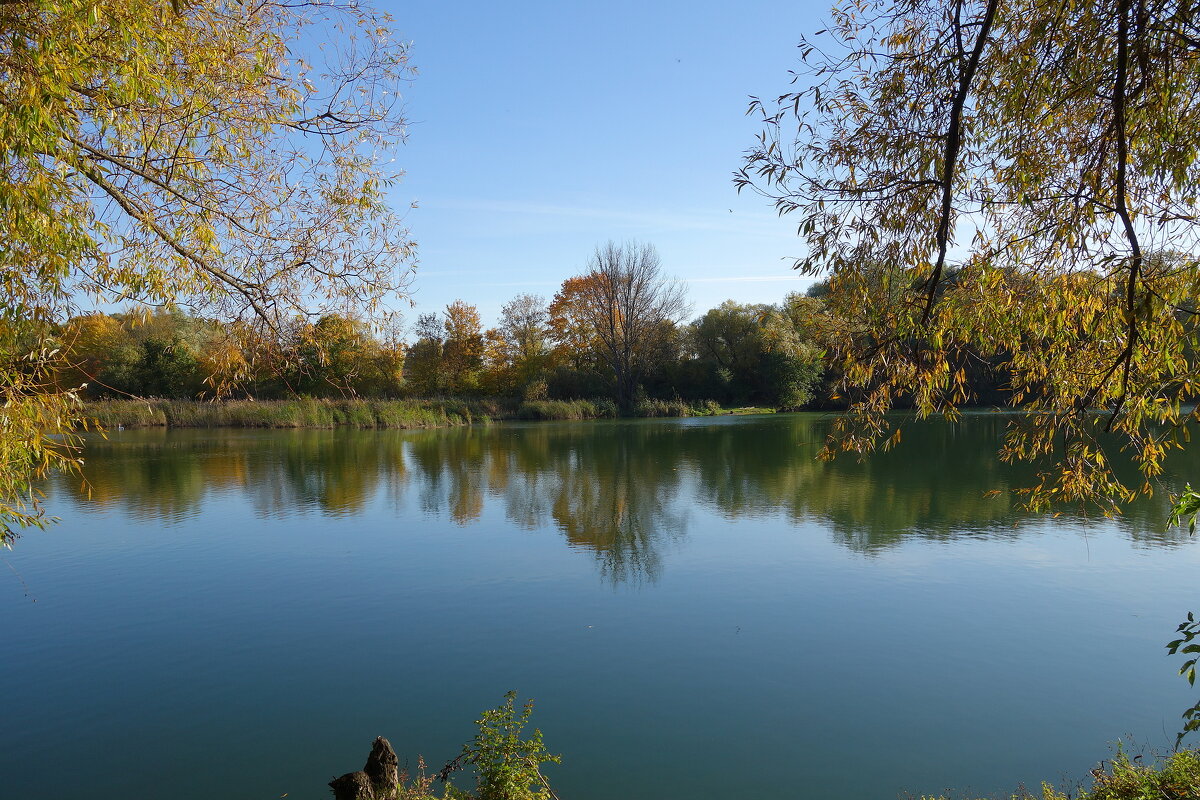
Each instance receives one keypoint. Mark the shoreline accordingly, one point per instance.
(376, 414)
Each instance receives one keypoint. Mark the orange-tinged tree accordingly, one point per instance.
(88, 343)
(575, 341)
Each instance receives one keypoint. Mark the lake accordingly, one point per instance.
(699, 608)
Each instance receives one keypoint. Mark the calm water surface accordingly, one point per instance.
(700, 609)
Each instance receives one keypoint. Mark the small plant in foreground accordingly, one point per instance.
(418, 786)
(1189, 631)
(507, 767)
(1177, 778)
(1187, 505)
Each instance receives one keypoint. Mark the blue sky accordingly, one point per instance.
(541, 129)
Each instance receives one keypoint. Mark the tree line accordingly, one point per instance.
(615, 330)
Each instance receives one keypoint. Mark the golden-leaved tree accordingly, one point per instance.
(462, 347)
(1010, 180)
(184, 152)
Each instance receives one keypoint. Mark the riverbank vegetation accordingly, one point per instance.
(508, 767)
(542, 360)
(542, 354)
(298, 413)
(309, 412)
(1176, 777)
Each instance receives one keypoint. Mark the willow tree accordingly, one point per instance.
(1043, 153)
(183, 153)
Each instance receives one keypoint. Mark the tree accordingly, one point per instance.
(462, 348)
(625, 306)
(172, 152)
(523, 338)
(88, 343)
(168, 368)
(338, 356)
(576, 341)
(763, 353)
(727, 335)
(791, 361)
(165, 354)
(1047, 153)
(423, 359)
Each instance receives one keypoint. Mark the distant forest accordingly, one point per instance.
(780, 355)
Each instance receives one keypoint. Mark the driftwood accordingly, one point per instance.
(377, 780)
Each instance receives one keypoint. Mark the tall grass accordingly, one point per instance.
(358, 413)
(297, 413)
(567, 409)
(662, 408)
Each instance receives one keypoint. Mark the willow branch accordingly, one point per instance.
(950, 158)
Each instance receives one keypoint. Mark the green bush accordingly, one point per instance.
(507, 767)
(606, 408)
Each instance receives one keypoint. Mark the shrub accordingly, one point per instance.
(507, 767)
(605, 408)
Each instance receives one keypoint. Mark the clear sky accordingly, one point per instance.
(541, 129)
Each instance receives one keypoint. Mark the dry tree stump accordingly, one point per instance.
(377, 780)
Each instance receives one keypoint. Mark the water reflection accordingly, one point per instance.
(167, 476)
(612, 490)
(622, 490)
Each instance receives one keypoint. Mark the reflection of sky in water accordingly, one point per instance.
(255, 606)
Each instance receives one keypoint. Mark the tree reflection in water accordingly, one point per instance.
(621, 489)
(614, 493)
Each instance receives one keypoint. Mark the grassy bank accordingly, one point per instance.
(1176, 777)
(415, 413)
